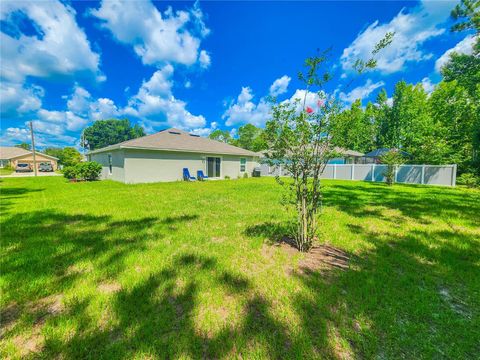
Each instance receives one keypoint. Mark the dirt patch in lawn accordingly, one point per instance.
(109, 287)
(26, 345)
(51, 305)
(42, 309)
(8, 317)
(319, 258)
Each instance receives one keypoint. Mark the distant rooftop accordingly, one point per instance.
(382, 151)
(11, 152)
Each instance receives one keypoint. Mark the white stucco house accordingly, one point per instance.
(163, 156)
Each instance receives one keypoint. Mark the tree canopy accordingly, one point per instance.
(67, 156)
(24, 145)
(251, 138)
(112, 131)
(221, 135)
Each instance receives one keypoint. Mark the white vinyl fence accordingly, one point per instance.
(408, 174)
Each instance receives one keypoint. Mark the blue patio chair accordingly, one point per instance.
(186, 175)
(201, 176)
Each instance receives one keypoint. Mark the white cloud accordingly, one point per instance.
(59, 48)
(206, 130)
(156, 37)
(56, 46)
(15, 135)
(463, 47)
(156, 105)
(360, 92)
(280, 86)
(80, 100)
(428, 86)
(103, 108)
(245, 111)
(298, 96)
(17, 99)
(204, 59)
(82, 104)
(411, 29)
(62, 121)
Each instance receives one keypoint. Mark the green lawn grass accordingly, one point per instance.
(191, 270)
(5, 171)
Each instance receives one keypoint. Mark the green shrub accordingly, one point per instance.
(69, 172)
(227, 177)
(245, 175)
(469, 180)
(89, 170)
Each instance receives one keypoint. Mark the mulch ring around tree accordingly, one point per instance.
(320, 257)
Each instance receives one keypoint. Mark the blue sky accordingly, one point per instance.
(200, 66)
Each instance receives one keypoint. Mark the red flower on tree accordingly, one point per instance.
(309, 110)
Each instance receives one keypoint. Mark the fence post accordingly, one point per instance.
(423, 174)
(454, 174)
(396, 172)
(373, 172)
(334, 171)
(353, 172)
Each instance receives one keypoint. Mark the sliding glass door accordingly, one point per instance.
(213, 166)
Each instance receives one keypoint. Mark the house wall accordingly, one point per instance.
(118, 165)
(39, 158)
(143, 166)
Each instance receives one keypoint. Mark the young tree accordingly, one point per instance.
(392, 159)
(298, 139)
(108, 132)
(221, 135)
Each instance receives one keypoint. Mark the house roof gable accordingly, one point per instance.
(12, 152)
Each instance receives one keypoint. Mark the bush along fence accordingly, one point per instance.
(408, 174)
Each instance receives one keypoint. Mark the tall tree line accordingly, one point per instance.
(441, 127)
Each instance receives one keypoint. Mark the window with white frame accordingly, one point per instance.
(243, 164)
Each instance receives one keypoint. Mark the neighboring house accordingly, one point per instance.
(347, 157)
(375, 155)
(164, 155)
(11, 156)
(340, 156)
